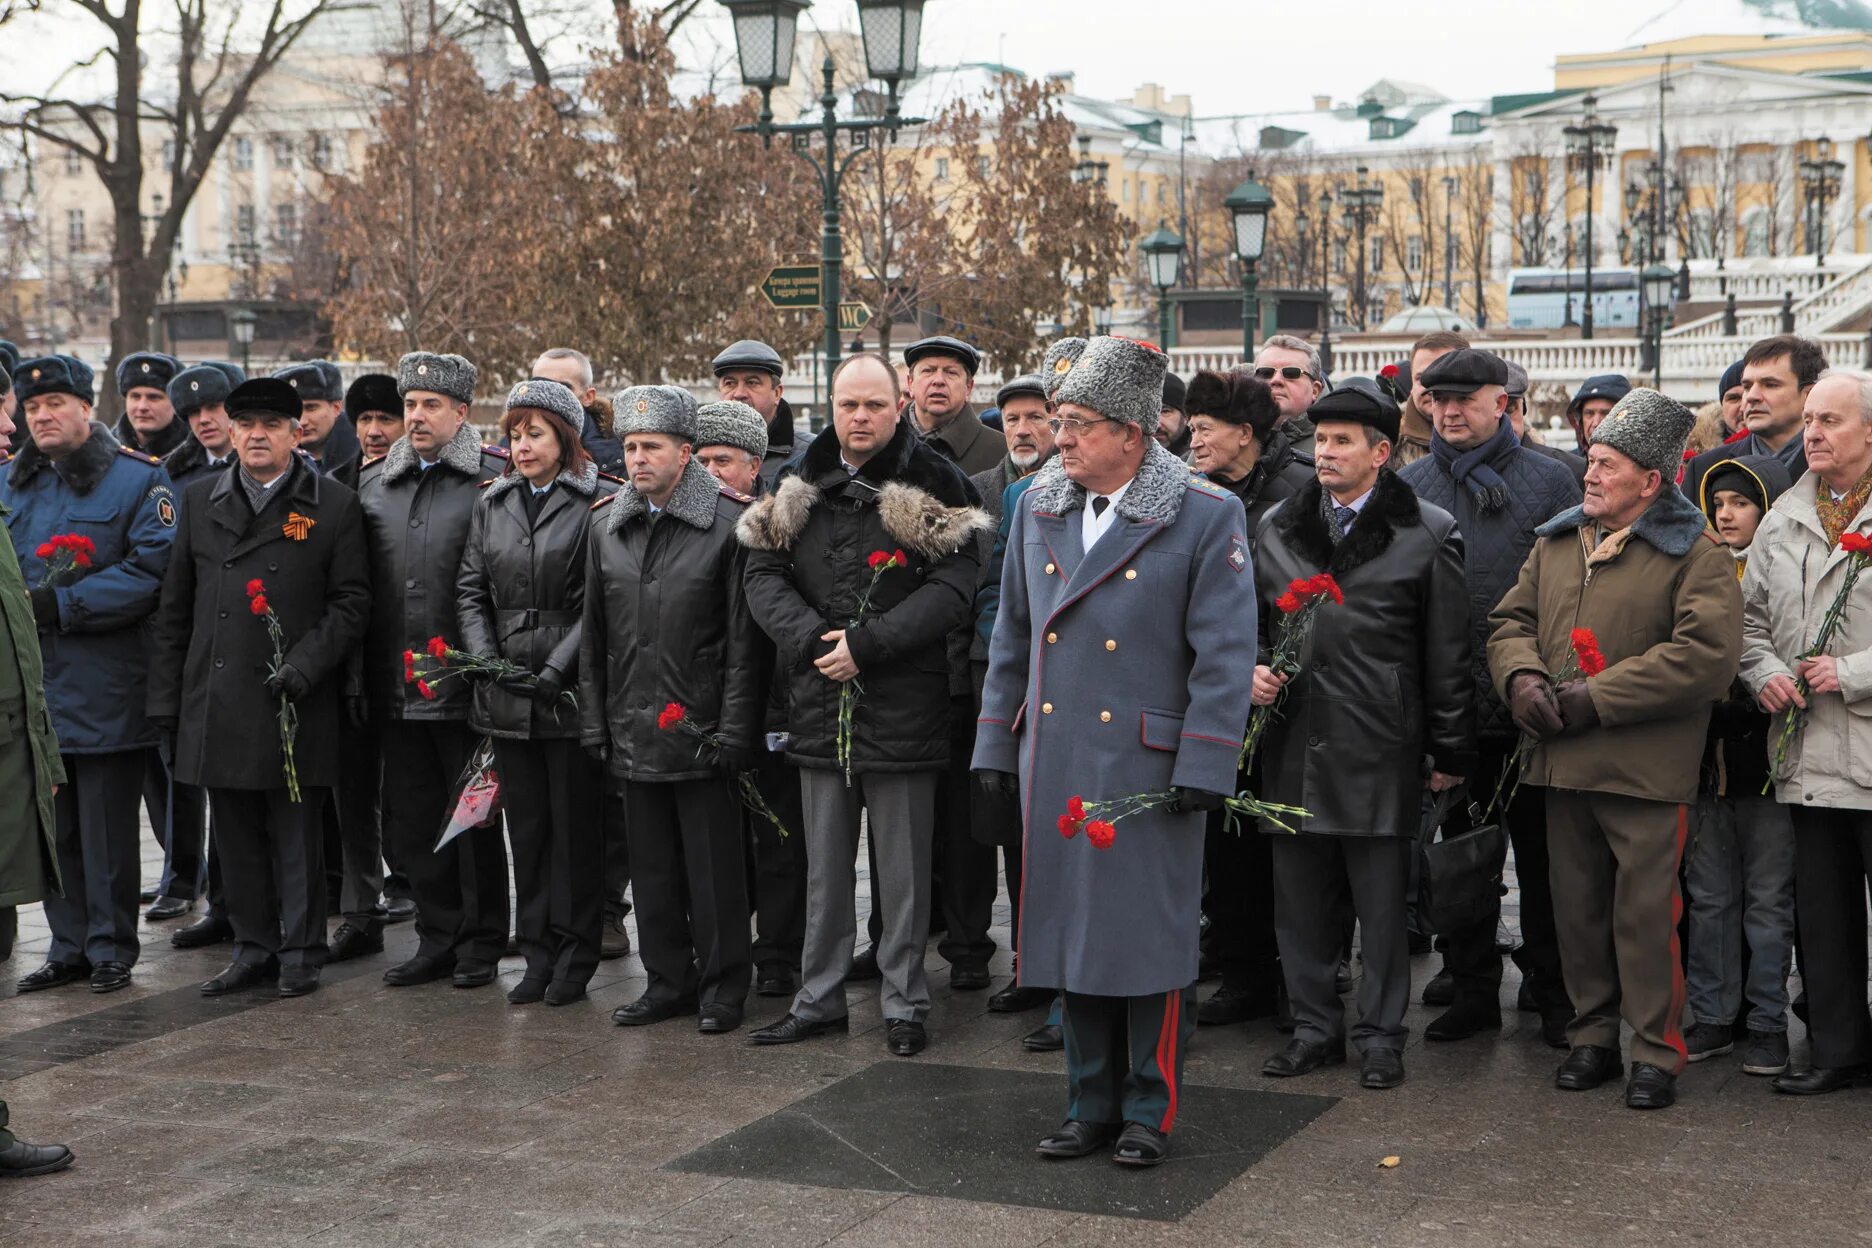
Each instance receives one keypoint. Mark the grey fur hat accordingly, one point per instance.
(1119, 378)
(1649, 428)
(1059, 361)
(443, 374)
(731, 423)
(654, 409)
(552, 396)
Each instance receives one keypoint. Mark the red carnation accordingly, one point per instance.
(422, 687)
(45, 550)
(437, 648)
(898, 559)
(1101, 834)
(1287, 603)
(672, 715)
(409, 663)
(885, 559)
(1855, 543)
(259, 604)
(1068, 826)
(1325, 584)
(1586, 650)
(255, 587)
(1075, 806)
(1389, 370)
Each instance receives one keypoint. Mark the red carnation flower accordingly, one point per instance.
(672, 715)
(1287, 603)
(898, 558)
(1068, 826)
(409, 663)
(1325, 584)
(259, 604)
(1101, 834)
(45, 550)
(1856, 543)
(1075, 806)
(1586, 650)
(255, 587)
(437, 648)
(1389, 370)
(422, 687)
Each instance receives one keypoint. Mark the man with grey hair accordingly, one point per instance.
(1291, 368)
(1795, 572)
(573, 369)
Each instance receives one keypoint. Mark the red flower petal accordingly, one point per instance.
(437, 648)
(255, 587)
(1068, 826)
(1856, 543)
(409, 666)
(672, 715)
(45, 550)
(259, 604)
(1101, 834)
(1075, 806)
(1287, 603)
(422, 687)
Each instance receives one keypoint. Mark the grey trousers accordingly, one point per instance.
(902, 807)
(1315, 878)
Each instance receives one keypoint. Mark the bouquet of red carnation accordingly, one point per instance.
(1585, 659)
(1100, 820)
(880, 562)
(448, 661)
(65, 554)
(1858, 548)
(1302, 601)
(288, 713)
(675, 716)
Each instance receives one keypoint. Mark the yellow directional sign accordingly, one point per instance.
(792, 286)
(853, 317)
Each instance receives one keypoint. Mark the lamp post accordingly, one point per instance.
(1659, 285)
(1589, 146)
(1303, 232)
(764, 37)
(1250, 205)
(1325, 235)
(241, 330)
(1820, 178)
(1361, 203)
(1089, 170)
(1449, 243)
(1163, 261)
(1566, 259)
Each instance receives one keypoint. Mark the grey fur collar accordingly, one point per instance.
(1156, 493)
(463, 454)
(692, 502)
(584, 481)
(1672, 524)
(914, 518)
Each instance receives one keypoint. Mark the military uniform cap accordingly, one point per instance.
(552, 396)
(150, 369)
(200, 386)
(315, 380)
(55, 374)
(731, 423)
(1650, 429)
(1059, 361)
(750, 354)
(1121, 379)
(450, 375)
(654, 409)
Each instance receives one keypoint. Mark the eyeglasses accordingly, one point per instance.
(1060, 424)
(1291, 372)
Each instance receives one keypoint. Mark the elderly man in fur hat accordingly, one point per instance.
(864, 560)
(1619, 749)
(1115, 542)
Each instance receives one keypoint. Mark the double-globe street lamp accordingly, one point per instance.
(764, 36)
(1249, 204)
(1589, 147)
(1361, 203)
(1163, 264)
(1820, 176)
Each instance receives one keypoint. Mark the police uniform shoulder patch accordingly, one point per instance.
(601, 502)
(605, 476)
(498, 452)
(140, 456)
(1238, 553)
(733, 493)
(1203, 485)
(482, 485)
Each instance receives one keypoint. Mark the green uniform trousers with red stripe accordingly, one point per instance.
(1613, 863)
(1124, 1056)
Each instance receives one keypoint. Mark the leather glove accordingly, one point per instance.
(45, 609)
(1576, 708)
(288, 682)
(165, 726)
(1000, 785)
(1195, 801)
(734, 759)
(357, 710)
(522, 683)
(1531, 704)
(547, 687)
(599, 752)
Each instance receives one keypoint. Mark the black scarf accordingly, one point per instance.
(1476, 469)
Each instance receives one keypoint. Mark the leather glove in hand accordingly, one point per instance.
(522, 683)
(1576, 707)
(45, 609)
(288, 682)
(547, 687)
(1001, 785)
(166, 726)
(1531, 704)
(1192, 801)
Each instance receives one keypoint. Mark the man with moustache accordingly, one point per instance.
(750, 372)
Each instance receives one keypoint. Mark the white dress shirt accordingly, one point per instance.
(1092, 524)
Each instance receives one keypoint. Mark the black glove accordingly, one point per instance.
(522, 683)
(357, 710)
(735, 759)
(547, 687)
(45, 609)
(1000, 785)
(1195, 801)
(1531, 705)
(165, 726)
(1576, 708)
(599, 752)
(288, 682)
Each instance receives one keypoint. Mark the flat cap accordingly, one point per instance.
(1517, 380)
(1358, 399)
(1464, 371)
(150, 369)
(750, 353)
(1605, 386)
(731, 423)
(552, 396)
(264, 396)
(314, 380)
(55, 374)
(373, 392)
(440, 374)
(1650, 429)
(1026, 384)
(943, 344)
(1059, 361)
(199, 386)
(654, 409)
(1119, 378)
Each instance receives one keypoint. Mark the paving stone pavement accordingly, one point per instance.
(436, 1116)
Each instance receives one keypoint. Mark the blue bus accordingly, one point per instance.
(1550, 298)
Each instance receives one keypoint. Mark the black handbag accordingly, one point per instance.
(1459, 879)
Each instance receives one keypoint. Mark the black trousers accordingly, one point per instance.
(273, 865)
(964, 862)
(355, 816)
(617, 871)
(690, 873)
(1124, 1056)
(460, 890)
(180, 825)
(551, 792)
(779, 871)
(1239, 866)
(1832, 858)
(1471, 957)
(96, 816)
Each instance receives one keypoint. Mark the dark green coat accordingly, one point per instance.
(29, 753)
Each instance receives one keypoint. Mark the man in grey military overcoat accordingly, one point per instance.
(1086, 695)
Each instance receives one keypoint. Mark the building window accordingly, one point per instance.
(168, 153)
(285, 224)
(1466, 123)
(1124, 191)
(1413, 252)
(244, 224)
(321, 151)
(1755, 233)
(1377, 254)
(282, 151)
(1339, 255)
(982, 165)
(243, 154)
(74, 163)
(74, 229)
(942, 168)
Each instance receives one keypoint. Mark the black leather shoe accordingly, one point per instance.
(298, 981)
(1380, 1069)
(421, 969)
(1587, 1067)
(718, 1019)
(399, 909)
(351, 941)
(864, 967)
(969, 978)
(473, 974)
(210, 929)
(1227, 1005)
(905, 1038)
(646, 1010)
(168, 908)
(145, 896)
(1047, 1039)
(774, 983)
(1077, 1139)
(793, 1028)
(1650, 1087)
(1302, 1057)
(238, 977)
(1441, 990)
(1823, 1079)
(54, 975)
(1015, 999)
(564, 992)
(110, 976)
(615, 942)
(20, 1160)
(527, 991)
(1468, 1017)
(1553, 1025)
(1139, 1145)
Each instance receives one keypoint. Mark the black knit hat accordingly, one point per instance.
(263, 396)
(373, 392)
(1175, 393)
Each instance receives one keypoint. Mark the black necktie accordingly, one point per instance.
(1099, 504)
